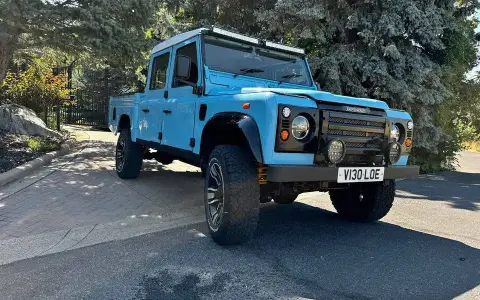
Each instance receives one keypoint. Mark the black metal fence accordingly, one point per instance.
(86, 109)
(88, 104)
(83, 109)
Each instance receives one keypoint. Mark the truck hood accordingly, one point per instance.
(318, 96)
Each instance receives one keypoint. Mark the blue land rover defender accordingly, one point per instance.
(247, 112)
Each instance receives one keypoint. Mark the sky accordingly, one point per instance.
(475, 70)
(477, 16)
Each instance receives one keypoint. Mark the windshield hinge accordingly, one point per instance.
(198, 90)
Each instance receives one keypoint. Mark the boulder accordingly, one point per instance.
(19, 119)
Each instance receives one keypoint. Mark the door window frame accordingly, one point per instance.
(169, 72)
(198, 48)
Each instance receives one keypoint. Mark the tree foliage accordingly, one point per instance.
(412, 54)
(110, 30)
(36, 87)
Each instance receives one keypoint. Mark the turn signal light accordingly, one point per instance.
(408, 142)
(284, 135)
(246, 105)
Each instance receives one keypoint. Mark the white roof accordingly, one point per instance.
(177, 39)
(187, 35)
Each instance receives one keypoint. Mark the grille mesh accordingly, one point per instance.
(346, 132)
(353, 133)
(355, 145)
(355, 122)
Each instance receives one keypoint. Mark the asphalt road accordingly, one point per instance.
(428, 247)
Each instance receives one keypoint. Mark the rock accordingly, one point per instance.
(18, 119)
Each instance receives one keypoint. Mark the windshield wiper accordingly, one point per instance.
(289, 77)
(247, 71)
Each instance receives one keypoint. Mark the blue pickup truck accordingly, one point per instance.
(248, 113)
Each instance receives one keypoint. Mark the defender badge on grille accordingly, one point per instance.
(359, 110)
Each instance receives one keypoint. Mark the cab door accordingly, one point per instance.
(157, 83)
(179, 109)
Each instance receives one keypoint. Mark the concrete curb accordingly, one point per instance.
(33, 165)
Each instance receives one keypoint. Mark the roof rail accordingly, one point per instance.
(224, 33)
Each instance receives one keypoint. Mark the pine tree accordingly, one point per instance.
(112, 30)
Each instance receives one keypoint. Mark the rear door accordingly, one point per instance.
(179, 108)
(156, 91)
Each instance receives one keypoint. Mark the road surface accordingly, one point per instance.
(75, 231)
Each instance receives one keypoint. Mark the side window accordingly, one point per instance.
(159, 72)
(191, 51)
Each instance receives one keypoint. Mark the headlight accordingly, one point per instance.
(394, 133)
(300, 127)
(336, 151)
(410, 125)
(394, 153)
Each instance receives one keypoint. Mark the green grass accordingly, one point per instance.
(42, 145)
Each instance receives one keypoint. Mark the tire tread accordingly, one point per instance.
(242, 194)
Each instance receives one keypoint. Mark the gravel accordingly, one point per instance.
(14, 150)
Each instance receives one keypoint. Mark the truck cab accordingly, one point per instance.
(248, 113)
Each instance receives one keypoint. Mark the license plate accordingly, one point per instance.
(360, 174)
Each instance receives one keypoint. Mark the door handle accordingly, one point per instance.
(167, 111)
(146, 110)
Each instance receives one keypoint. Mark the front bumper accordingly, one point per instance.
(292, 173)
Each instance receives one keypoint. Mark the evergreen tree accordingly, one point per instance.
(112, 30)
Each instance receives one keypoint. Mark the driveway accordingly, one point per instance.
(75, 231)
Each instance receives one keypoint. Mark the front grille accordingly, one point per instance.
(362, 134)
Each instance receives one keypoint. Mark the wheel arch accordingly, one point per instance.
(124, 122)
(231, 128)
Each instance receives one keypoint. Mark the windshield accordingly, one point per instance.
(241, 59)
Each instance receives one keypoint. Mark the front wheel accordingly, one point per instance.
(232, 195)
(366, 202)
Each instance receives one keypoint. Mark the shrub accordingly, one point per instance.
(36, 87)
(42, 145)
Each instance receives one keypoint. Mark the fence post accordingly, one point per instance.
(45, 116)
(58, 114)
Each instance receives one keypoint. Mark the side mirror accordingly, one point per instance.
(318, 86)
(182, 67)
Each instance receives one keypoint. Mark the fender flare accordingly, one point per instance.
(245, 123)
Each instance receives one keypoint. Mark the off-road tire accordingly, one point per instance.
(285, 198)
(368, 202)
(241, 194)
(132, 156)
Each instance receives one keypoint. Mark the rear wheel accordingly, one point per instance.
(128, 156)
(232, 195)
(287, 196)
(367, 202)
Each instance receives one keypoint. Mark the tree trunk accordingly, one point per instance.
(7, 48)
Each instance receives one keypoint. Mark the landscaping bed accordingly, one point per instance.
(16, 149)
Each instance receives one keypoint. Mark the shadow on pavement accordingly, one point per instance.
(315, 250)
(299, 251)
(460, 190)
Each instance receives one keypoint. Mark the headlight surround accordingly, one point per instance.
(300, 127)
(394, 133)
